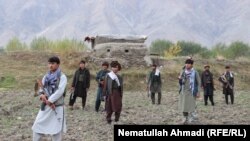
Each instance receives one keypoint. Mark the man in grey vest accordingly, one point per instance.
(51, 118)
(190, 83)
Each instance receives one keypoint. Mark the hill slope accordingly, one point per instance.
(206, 21)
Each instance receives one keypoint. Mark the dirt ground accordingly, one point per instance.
(18, 110)
(18, 106)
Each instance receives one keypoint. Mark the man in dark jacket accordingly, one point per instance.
(227, 79)
(100, 80)
(80, 85)
(154, 83)
(207, 83)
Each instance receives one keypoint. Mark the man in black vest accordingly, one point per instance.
(227, 79)
(154, 83)
(80, 85)
(207, 84)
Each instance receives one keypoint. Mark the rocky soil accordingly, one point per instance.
(19, 108)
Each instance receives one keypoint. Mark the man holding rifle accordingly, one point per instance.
(227, 79)
(51, 118)
(80, 85)
(100, 80)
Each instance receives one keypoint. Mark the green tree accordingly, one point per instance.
(237, 49)
(160, 46)
(189, 48)
(207, 53)
(219, 49)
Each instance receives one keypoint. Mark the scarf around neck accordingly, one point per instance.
(51, 81)
(157, 72)
(230, 74)
(113, 76)
(191, 75)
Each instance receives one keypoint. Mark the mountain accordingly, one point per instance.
(204, 21)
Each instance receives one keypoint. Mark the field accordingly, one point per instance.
(18, 106)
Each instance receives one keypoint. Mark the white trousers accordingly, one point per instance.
(55, 137)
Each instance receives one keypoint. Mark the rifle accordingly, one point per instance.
(182, 80)
(149, 93)
(148, 81)
(72, 93)
(40, 84)
(36, 88)
(224, 80)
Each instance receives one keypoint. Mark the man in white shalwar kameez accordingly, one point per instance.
(51, 120)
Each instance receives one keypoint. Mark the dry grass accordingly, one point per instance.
(27, 67)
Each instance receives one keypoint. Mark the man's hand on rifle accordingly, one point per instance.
(101, 82)
(72, 89)
(198, 95)
(51, 105)
(43, 98)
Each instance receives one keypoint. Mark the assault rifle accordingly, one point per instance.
(45, 92)
(224, 80)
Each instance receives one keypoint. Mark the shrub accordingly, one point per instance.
(173, 51)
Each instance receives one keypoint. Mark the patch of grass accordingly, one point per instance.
(243, 98)
(7, 123)
(7, 81)
(134, 78)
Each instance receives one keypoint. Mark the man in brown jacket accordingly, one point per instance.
(113, 89)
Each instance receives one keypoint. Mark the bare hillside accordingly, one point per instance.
(207, 22)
